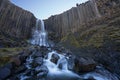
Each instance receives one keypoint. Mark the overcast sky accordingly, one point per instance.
(43, 9)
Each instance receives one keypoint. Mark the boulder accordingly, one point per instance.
(39, 60)
(84, 64)
(20, 69)
(38, 54)
(22, 58)
(9, 66)
(42, 71)
(4, 73)
(55, 58)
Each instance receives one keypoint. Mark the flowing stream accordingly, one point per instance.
(59, 71)
(57, 68)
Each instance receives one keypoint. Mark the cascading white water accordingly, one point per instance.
(40, 35)
(55, 72)
(54, 66)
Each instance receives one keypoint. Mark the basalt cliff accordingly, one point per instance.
(15, 23)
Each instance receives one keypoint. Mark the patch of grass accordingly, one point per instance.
(10, 51)
(4, 60)
(94, 37)
(7, 53)
(70, 40)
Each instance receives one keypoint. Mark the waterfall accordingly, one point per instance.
(59, 70)
(40, 35)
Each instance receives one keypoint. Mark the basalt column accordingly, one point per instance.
(14, 21)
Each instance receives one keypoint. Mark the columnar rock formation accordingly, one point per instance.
(73, 19)
(14, 21)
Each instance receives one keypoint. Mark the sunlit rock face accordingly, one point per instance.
(15, 21)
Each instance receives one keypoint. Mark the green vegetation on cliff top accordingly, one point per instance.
(95, 36)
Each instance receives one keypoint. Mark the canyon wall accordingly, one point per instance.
(14, 21)
(82, 15)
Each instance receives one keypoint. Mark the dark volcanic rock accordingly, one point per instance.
(38, 54)
(84, 64)
(55, 58)
(39, 60)
(4, 73)
(42, 71)
(20, 69)
(8, 65)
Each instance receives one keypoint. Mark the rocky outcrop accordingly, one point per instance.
(81, 16)
(14, 21)
(71, 20)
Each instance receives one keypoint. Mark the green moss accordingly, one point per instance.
(96, 40)
(7, 53)
(10, 51)
(114, 33)
(70, 40)
(4, 60)
(96, 36)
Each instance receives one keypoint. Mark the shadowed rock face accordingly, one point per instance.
(14, 21)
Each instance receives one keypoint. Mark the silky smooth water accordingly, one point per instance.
(56, 73)
(39, 35)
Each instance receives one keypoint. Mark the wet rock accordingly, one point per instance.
(60, 66)
(4, 73)
(22, 58)
(39, 60)
(20, 69)
(38, 54)
(55, 58)
(42, 71)
(84, 64)
(43, 50)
